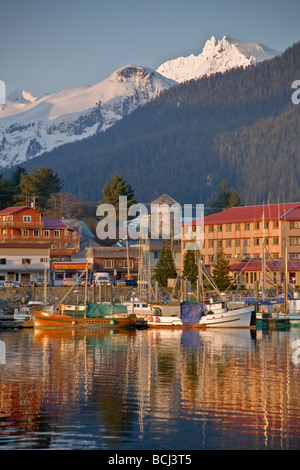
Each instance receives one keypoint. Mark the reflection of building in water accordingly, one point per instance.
(225, 378)
(152, 380)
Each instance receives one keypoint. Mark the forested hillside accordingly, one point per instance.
(241, 126)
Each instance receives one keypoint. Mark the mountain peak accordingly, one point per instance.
(216, 56)
(21, 96)
(31, 126)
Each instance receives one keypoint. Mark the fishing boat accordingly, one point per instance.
(193, 315)
(89, 316)
(141, 308)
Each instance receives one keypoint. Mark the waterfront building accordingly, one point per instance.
(25, 226)
(24, 263)
(253, 238)
(118, 261)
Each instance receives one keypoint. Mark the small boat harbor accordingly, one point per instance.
(121, 308)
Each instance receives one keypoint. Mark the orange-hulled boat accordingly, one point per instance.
(89, 316)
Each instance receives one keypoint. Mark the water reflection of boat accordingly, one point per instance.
(89, 316)
(192, 315)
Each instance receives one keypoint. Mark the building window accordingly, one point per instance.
(46, 233)
(295, 241)
(210, 228)
(26, 261)
(256, 241)
(210, 259)
(295, 224)
(56, 233)
(124, 263)
(26, 233)
(210, 243)
(292, 278)
(295, 255)
(256, 226)
(26, 218)
(237, 226)
(247, 242)
(108, 263)
(275, 224)
(228, 243)
(275, 241)
(36, 233)
(237, 242)
(228, 227)
(247, 226)
(43, 260)
(266, 225)
(2, 260)
(220, 228)
(219, 243)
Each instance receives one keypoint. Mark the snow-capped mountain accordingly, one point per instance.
(21, 96)
(31, 126)
(217, 56)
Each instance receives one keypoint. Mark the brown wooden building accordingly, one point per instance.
(25, 225)
(114, 260)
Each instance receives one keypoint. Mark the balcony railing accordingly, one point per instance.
(20, 224)
(40, 239)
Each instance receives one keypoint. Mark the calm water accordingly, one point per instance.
(149, 390)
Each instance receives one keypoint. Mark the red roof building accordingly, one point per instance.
(25, 225)
(246, 232)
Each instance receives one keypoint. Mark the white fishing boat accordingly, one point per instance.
(140, 308)
(192, 315)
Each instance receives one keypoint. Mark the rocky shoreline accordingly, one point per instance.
(12, 297)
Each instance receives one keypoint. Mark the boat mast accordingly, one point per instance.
(264, 259)
(85, 294)
(286, 305)
(45, 283)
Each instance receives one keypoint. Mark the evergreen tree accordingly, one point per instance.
(165, 268)
(39, 186)
(6, 192)
(190, 266)
(115, 187)
(16, 176)
(221, 271)
(225, 199)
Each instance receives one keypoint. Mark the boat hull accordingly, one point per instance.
(43, 319)
(237, 318)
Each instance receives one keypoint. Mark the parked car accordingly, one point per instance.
(68, 282)
(9, 284)
(120, 282)
(18, 284)
(83, 282)
(131, 282)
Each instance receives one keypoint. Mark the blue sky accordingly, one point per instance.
(47, 46)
